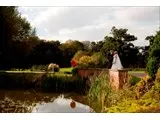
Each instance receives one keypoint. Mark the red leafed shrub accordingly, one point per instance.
(74, 63)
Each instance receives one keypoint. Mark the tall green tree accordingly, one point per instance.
(69, 49)
(154, 56)
(150, 39)
(120, 41)
(87, 45)
(13, 28)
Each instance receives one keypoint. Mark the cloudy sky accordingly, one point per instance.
(92, 23)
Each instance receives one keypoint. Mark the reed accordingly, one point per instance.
(99, 92)
(45, 81)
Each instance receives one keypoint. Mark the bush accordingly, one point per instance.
(148, 102)
(20, 79)
(143, 96)
(103, 99)
(80, 54)
(98, 92)
(102, 96)
(15, 69)
(39, 67)
(125, 100)
(74, 71)
(86, 62)
(63, 83)
(133, 106)
(155, 109)
(44, 81)
(157, 82)
(134, 80)
(154, 58)
(97, 59)
(53, 67)
(154, 92)
(33, 68)
(152, 67)
(74, 63)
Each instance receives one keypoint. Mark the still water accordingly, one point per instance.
(24, 101)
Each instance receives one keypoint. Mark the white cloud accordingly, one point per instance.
(138, 14)
(64, 31)
(46, 30)
(92, 23)
(46, 15)
(25, 16)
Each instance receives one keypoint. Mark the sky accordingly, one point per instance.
(92, 23)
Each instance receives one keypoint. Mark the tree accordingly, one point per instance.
(142, 56)
(97, 59)
(45, 52)
(86, 61)
(93, 47)
(99, 45)
(80, 54)
(69, 49)
(122, 35)
(154, 56)
(150, 39)
(120, 41)
(13, 28)
(87, 45)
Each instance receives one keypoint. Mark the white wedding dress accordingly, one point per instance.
(116, 65)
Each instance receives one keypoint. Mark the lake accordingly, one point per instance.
(23, 101)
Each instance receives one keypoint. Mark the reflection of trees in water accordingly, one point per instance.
(16, 101)
(62, 105)
(10, 106)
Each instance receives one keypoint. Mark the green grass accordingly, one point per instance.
(62, 74)
(65, 70)
(22, 71)
(136, 71)
(70, 69)
(28, 71)
(50, 82)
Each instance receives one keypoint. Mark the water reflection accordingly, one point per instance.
(62, 105)
(23, 101)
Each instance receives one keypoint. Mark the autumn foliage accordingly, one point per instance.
(74, 63)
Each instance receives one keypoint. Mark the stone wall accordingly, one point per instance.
(91, 72)
(117, 78)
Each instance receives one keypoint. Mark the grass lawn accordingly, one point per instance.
(136, 71)
(65, 69)
(62, 70)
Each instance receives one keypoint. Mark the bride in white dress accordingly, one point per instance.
(116, 64)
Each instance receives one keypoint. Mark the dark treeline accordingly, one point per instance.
(21, 48)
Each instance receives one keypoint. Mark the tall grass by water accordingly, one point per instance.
(128, 99)
(99, 92)
(57, 82)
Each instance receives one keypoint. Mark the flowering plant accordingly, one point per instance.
(74, 63)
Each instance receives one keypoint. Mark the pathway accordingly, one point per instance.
(140, 75)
